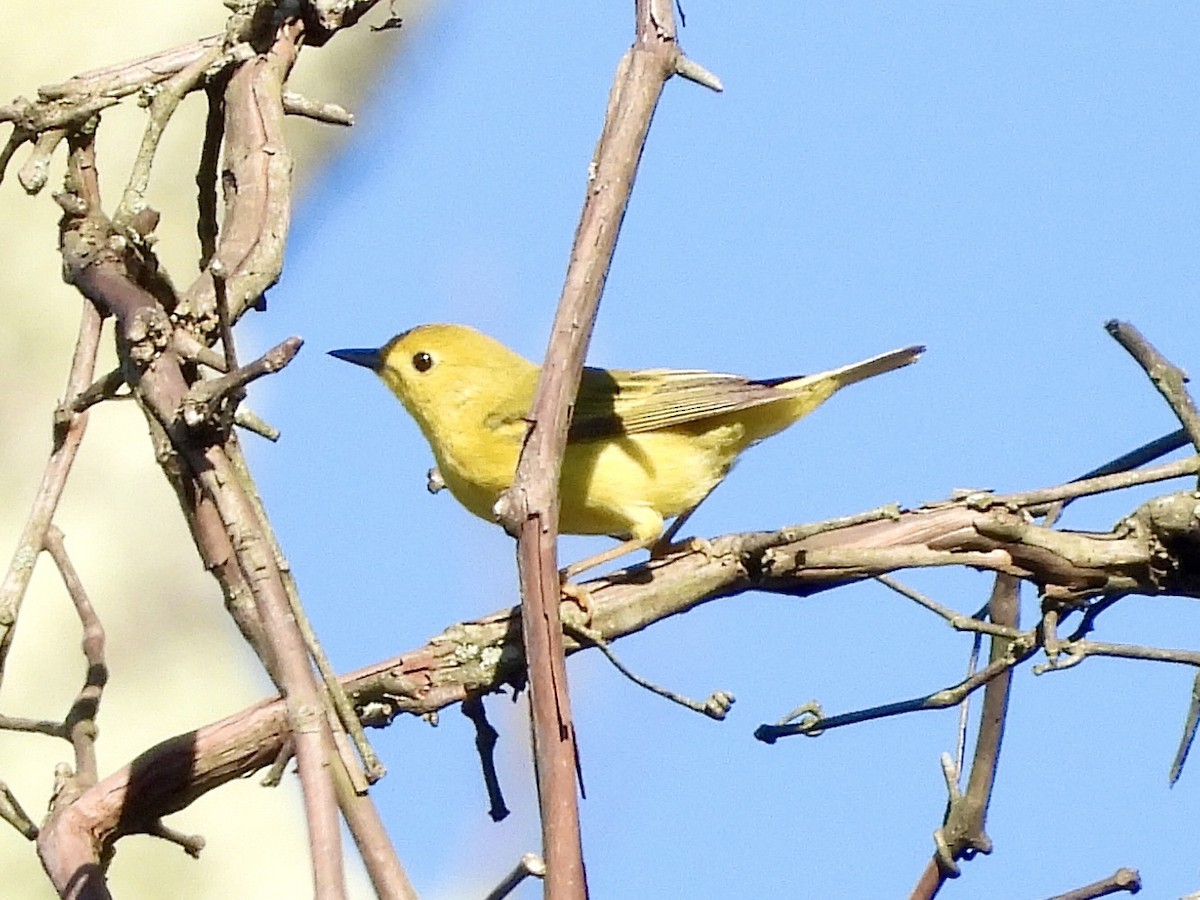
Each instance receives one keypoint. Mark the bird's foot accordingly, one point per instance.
(580, 596)
(662, 550)
(434, 481)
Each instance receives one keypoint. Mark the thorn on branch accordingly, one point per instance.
(249, 420)
(1189, 733)
(691, 70)
(319, 111)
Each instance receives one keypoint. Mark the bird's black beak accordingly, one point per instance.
(368, 359)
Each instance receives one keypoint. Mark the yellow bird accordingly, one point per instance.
(643, 446)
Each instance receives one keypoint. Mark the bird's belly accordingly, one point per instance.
(622, 486)
(478, 479)
(626, 486)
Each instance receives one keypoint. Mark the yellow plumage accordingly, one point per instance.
(644, 446)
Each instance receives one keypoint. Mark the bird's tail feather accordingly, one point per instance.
(876, 365)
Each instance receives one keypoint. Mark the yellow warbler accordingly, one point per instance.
(643, 446)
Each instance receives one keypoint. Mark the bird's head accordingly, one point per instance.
(434, 369)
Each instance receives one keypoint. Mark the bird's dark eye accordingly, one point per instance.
(422, 362)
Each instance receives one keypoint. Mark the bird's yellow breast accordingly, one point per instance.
(622, 486)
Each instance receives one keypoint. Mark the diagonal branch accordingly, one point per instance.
(1168, 378)
(529, 509)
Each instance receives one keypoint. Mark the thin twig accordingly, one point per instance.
(1076, 651)
(80, 721)
(192, 844)
(812, 722)
(1189, 733)
(529, 865)
(104, 388)
(1134, 459)
(962, 834)
(340, 703)
(34, 726)
(953, 617)
(123, 79)
(161, 110)
(716, 707)
(1123, 879)
(1102, 484)
(383, 866)
(14, 814)
(1168, 378)
(345, 715)
(206, 173)
(205, 397)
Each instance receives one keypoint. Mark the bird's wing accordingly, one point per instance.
(613, 402)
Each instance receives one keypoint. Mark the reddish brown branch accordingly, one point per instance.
(529, 509)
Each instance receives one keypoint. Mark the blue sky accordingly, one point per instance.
(992, 182)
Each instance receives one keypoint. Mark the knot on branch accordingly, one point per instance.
(147, 333)
(83, 238)
(1171, 525)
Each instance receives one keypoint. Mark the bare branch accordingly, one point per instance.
(529, 509)
(530, 864)
(962, 835)
(80, 721)
(1121, 880)
(205, 398)
(717, 705)
(14, 814)
(1168, 378)
(161, 110)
